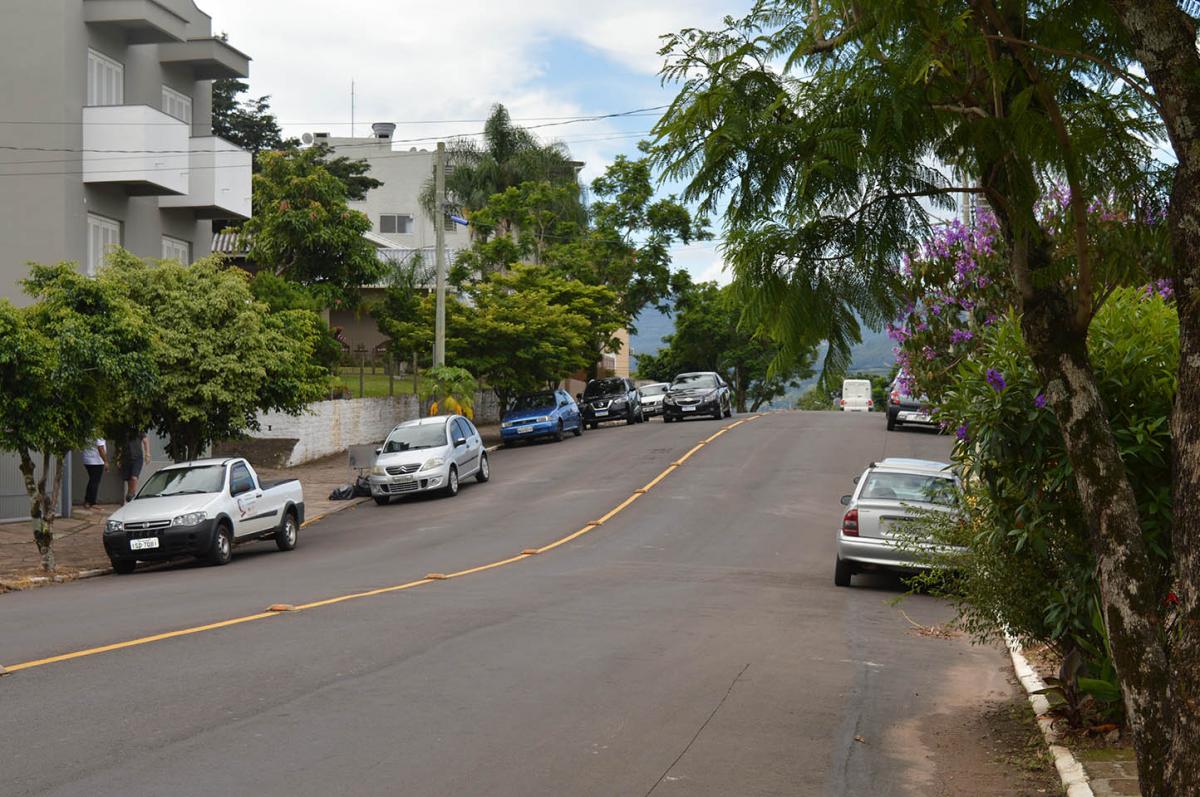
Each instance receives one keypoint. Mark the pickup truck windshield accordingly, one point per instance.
(411, 438)
(184, 481)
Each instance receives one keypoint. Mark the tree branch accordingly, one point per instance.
(966, 110)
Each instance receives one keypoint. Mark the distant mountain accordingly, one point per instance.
(652, 326)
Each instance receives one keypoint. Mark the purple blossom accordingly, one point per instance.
(929, 353)
(1163, 288)
(923, 327)
(1039, 400)
(961, 335)
(962, 432)
(991, 320)
(996, 380)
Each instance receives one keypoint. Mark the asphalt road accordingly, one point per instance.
(694, 644)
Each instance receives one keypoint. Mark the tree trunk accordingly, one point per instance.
(1126, 570)
(41, 511)
(1164, 38)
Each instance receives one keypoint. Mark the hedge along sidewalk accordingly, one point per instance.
(78, 544)
(1114, 776)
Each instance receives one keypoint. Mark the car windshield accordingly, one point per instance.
(412, 438)
(199, 480)
(535, 401)
(653, 390)
(909, 487)
(604, 387)
(691, 381)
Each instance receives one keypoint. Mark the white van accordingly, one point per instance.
(856, 395)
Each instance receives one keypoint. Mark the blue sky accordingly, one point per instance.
(421, 64)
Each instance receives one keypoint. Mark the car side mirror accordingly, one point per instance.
(563, 404)
(856, 478)
(378, 451)
(845, 500)
(579, 397)
(460, 441)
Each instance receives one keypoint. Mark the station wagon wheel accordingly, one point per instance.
(288, 532)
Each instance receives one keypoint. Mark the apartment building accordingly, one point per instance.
(106, 116)
(106, 129)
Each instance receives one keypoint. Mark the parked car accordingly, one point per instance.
(430, 454)
(613, 398)
(652, 398)
(697, 393)
(548, 413)
(903, 408)
(889, 494)
(856, 396)
(203, 509)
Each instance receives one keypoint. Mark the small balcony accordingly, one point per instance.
(137, 147)
(218, 183)
(210, 59)
(141, 21)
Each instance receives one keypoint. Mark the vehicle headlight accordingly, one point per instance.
(618, 403)
(433, 462)
(378, 470)
(113, 526)
(668, 400)
(506, 424)
(190, 519)
(544, 419)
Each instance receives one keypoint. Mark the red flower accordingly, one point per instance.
(1172, 599)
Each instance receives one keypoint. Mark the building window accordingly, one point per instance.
(105, 80)
(175, 249)
(104, 235)
(177, 104)
(449, 225)
(396, 223)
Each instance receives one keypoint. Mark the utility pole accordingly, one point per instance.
(439, 238)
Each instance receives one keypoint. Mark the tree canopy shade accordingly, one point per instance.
(303, 229)
(220, 357)
(63, 360)
(830, 128)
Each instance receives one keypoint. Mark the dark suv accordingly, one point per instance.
(697, 393)
(613, 398)
(903, 408)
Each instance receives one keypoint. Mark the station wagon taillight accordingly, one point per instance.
(850, 523)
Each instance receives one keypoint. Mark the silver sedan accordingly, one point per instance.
(889, 494)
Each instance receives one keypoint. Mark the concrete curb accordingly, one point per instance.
(1072, 774)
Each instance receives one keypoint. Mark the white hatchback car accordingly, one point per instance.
(430, 454)
(889, 494)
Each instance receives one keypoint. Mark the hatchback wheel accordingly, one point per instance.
(558, 433)
(451, 488)
(383, 500)
(842, 572)
(485, 470)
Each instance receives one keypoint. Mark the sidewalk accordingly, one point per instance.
(78, 545)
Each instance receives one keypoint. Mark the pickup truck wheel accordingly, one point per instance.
(485, 469)
(288, 532)
(222, 545)
(451, 488)
(842, 573)
(123, 567)
(891, 423)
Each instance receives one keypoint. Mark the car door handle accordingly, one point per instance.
(258, 495)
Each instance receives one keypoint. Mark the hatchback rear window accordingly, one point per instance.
(909, 487)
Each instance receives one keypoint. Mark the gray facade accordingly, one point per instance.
(106, 108)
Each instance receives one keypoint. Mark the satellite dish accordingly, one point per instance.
(307, 138)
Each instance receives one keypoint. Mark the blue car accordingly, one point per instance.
(549, 413)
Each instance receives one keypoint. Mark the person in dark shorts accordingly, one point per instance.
(136, 455)
(95, 460)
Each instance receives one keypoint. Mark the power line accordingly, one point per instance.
(347, 124)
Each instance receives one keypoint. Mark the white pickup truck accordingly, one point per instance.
(203, 509)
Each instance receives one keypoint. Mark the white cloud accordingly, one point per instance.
(703, 262)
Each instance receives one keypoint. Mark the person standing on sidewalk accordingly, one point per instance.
(95, 460)
(136, 455)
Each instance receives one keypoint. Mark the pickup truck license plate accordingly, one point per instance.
(524, 429)
(688, 409)
(601, 413)
(141, 545)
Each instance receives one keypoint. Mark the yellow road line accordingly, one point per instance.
(431, 578)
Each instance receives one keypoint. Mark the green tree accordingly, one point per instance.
(303, 229)
(63, 359)
(249, 123)
(874, 108)
(281, 295)
(220, 359)
(710, 336)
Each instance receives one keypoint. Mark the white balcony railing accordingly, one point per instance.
(135, 146)
(218, 182)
